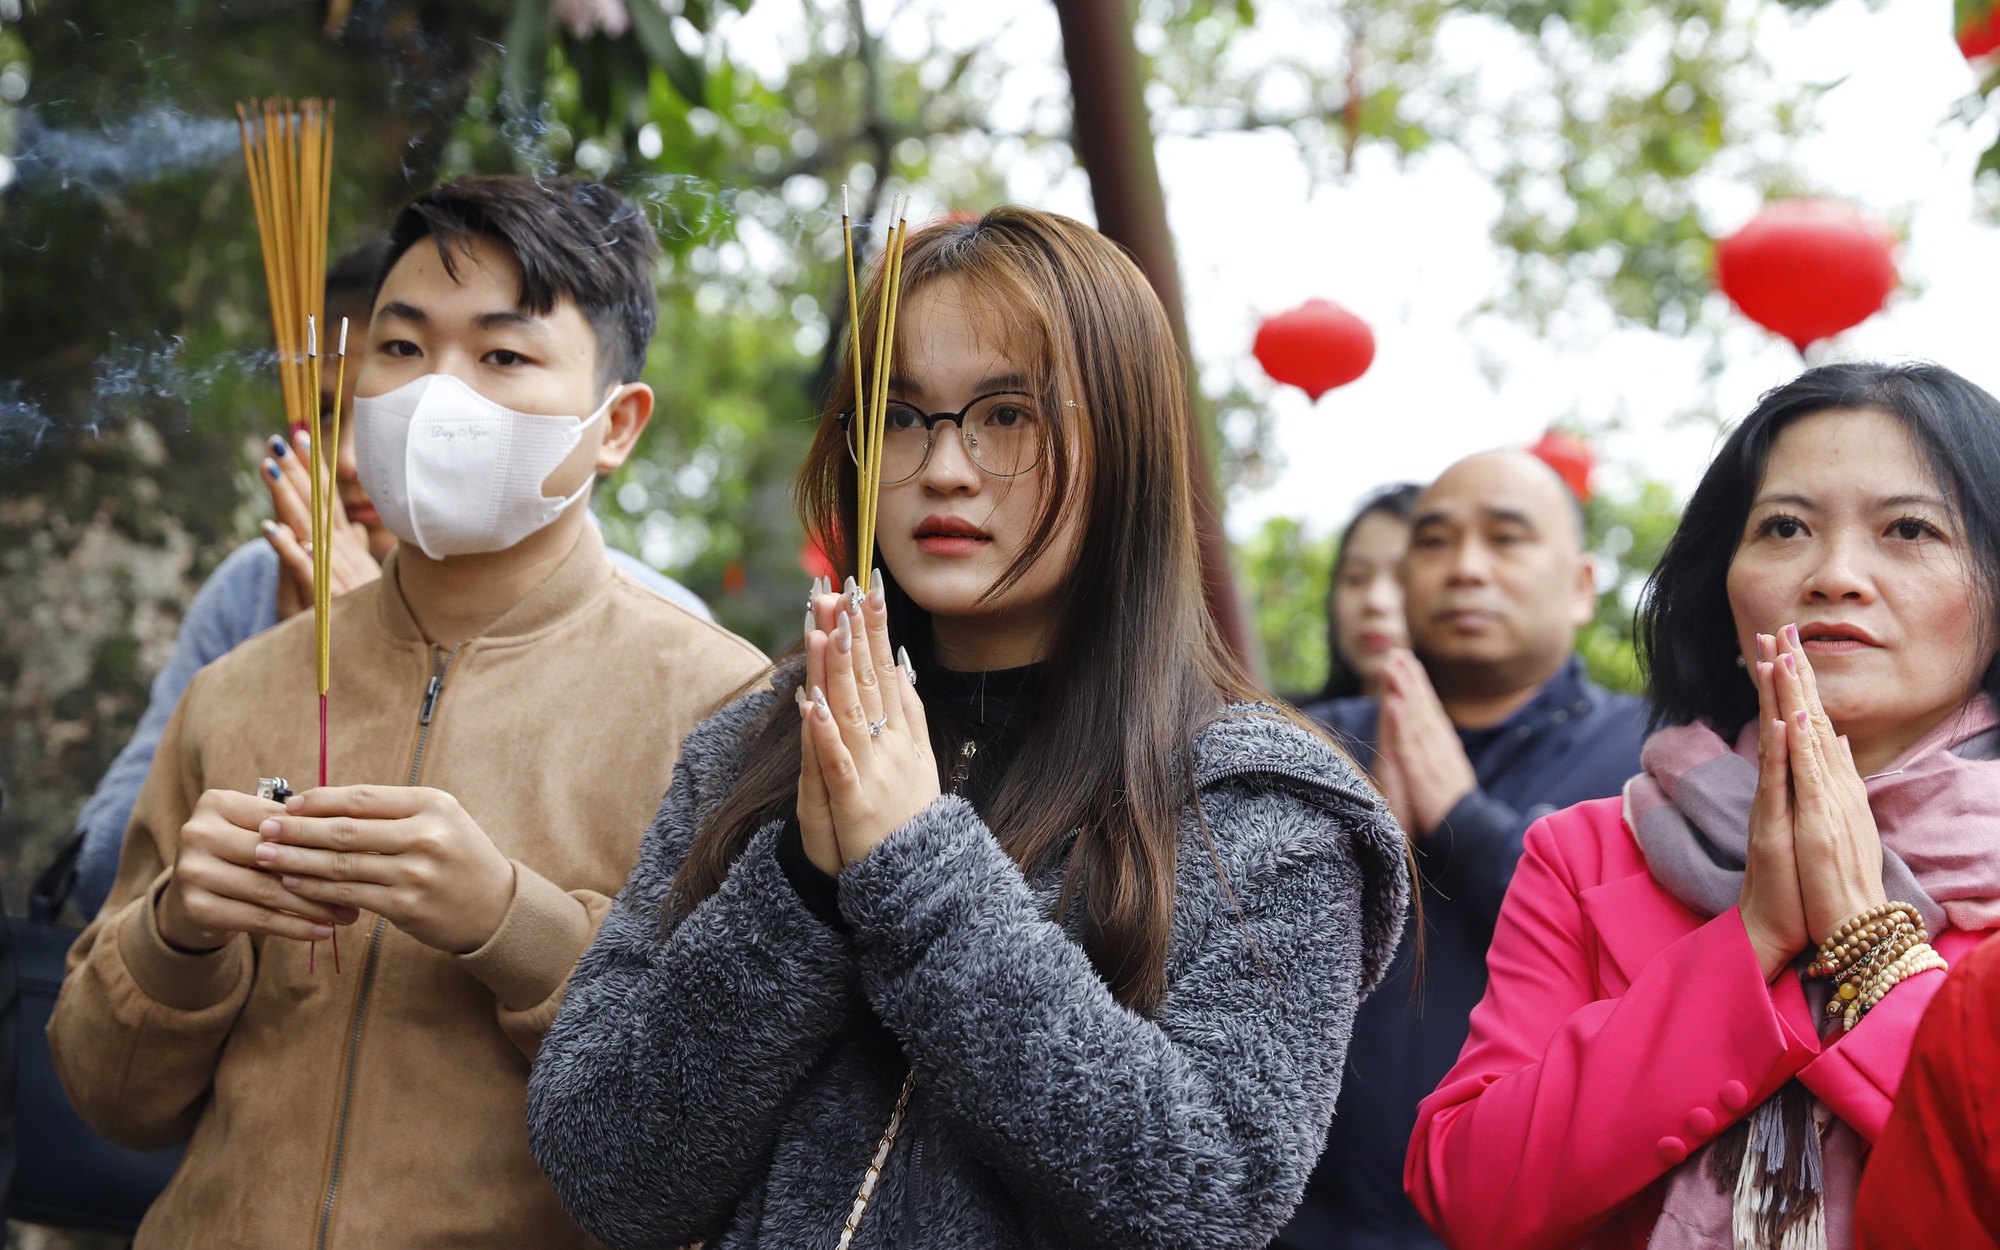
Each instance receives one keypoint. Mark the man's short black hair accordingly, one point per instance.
(579, 240)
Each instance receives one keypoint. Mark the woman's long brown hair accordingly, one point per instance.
(1136, 667)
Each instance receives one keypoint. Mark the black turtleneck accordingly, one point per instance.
(991, 711)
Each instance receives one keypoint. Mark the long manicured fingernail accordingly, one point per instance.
(909, 669)
(811, 624)
(304, 439)
(878, 598)
(269, 527)
(1791, 664)
(843, 635)
(1792, 634)
(266, 852)
(801, 698)
(271, 467)
(819, 703)
(278, 447)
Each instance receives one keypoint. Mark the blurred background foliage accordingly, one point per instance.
(134, 386)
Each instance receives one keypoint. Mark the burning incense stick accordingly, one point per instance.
(857, 434)
(324, 500)
(320, 469)
(871, 395)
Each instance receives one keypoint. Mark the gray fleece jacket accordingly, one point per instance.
(729, 1083)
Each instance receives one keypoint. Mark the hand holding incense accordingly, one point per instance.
(288, 155)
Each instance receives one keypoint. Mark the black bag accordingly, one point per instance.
(66, 1176)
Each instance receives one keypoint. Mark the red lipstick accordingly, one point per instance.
(942, 535)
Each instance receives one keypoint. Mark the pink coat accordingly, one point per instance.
(1621, 1032)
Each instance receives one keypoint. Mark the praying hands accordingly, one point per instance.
(1815, 855)
(352, 564)
(1421, 767)
(865, 766)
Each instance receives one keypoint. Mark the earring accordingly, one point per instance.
(1741, 662)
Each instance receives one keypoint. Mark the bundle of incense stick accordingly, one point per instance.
(871, 395)
(288, 151)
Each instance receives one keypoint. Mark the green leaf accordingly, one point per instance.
(526, 63)
(654, 29)
(1989, 161)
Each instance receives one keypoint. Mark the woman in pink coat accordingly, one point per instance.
(1651, 1065)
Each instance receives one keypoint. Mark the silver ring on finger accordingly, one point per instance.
(875, 727)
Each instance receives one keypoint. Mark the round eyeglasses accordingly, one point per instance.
(1002, 433)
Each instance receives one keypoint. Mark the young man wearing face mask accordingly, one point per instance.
(498, 700)
(268, 580)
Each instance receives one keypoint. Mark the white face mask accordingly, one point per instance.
(455, 473)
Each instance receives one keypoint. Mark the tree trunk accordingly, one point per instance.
(1114, 140)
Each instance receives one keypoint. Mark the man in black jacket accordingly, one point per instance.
(1490, 725)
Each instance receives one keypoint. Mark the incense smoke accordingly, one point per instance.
(132, 381)
(23, 424)
(139, 149)
(681, 206)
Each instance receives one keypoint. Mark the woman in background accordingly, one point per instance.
(1365, 604)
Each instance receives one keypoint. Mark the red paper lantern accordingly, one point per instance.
(1570, 457)
(1807, 269)
(1315, 347)
(1976, 24)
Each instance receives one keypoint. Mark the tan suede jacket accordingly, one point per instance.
(381, 1105)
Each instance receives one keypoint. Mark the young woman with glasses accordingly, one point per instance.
(1060, 947)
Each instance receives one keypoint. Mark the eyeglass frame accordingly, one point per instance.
(931, 420)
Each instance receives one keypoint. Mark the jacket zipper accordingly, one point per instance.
(1204, 780)
(440, 669)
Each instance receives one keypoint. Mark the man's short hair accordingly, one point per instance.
(579, 240)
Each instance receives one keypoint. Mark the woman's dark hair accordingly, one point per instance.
(1136, 667)
(1398, 501)
(1687, 634)
(576, 240)
(355, 277)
